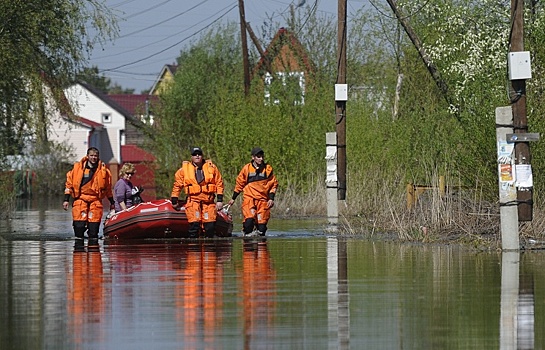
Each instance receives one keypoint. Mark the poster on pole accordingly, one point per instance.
(506, 171)
(523, 173)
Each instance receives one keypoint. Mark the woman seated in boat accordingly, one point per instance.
(123, 189)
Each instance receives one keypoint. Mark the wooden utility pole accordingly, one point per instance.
(245, 60)
(518, 102)
(259, 49)
(340, 106)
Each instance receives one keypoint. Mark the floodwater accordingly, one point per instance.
(300, 288)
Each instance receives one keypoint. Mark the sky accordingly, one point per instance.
(152, 33)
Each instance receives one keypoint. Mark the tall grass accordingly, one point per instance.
(378, 207)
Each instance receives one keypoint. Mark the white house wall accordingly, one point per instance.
(90, 106)
(71, 134)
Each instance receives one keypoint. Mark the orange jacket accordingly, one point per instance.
(261, 186)
(185, 178)
(99, 187)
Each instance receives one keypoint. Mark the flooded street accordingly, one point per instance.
(297, 289)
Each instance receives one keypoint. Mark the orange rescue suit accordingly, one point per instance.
(258, 188)
(200, 205)
(87, 204)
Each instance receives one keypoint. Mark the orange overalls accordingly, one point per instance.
(258, 187)
(87, 204)
(200, 206)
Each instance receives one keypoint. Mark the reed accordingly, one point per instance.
(377, 207)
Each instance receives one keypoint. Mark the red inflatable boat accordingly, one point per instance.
(157, 219)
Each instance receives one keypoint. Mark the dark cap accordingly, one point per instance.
(196, 150)
(256, 151)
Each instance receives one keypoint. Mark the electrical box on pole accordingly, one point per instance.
(341, 92)
(519, 65)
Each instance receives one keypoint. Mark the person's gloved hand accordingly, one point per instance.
(175, 204)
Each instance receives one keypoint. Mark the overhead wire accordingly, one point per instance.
(312, 10)
(123, 3)
(163, 21)
(171, 46)
(146, 10)
(167, 37)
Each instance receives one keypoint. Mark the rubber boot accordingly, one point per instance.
(93, 229)
(194, 228)
(209, 230)
(93, 234)
(79, 228)
(261, 228)
(248, 226)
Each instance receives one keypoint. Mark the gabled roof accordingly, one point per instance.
(131, 118)
(168, 69)
(87, 123)
(102, 96)
(135, 154)
(283, 50)
(134, 104)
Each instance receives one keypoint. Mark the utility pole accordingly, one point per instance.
(245, 61)
(340, 105)
(518, 103)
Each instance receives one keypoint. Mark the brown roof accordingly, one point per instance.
(275, 50)
(89, 123)
(134, 104)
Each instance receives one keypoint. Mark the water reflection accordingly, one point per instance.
(187, 279)
(517, 305)
(86, 295)
(259, 293)
(199, 299)
(287, 291)
(337, 294)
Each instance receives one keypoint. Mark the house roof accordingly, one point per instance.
(131, 118)
(134, 104)
(87, 123)
(167, 69)
(106, 99)
(135, 154)
(283, 44)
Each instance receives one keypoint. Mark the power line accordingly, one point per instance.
(168, 48)
(165, 38)
(147, 10)
(123, 3)
(163, 21)
(312, 10)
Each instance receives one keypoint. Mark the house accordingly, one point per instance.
(285, 68)
(164, 79)
(93, 105)
(77, 132)
(140, 107)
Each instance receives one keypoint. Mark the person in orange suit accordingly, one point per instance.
(88, 183)
(202, 183)
(258, 183)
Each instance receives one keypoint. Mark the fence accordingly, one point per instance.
(414, 191)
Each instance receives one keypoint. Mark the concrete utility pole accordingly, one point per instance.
(518, 102)
(245, 60)
(340, 105)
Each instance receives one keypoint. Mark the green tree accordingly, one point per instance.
(92, 77)
(45, 43)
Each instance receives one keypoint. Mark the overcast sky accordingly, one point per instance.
(152, 33)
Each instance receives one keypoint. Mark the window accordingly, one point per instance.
(106, 118)
(286, 86)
